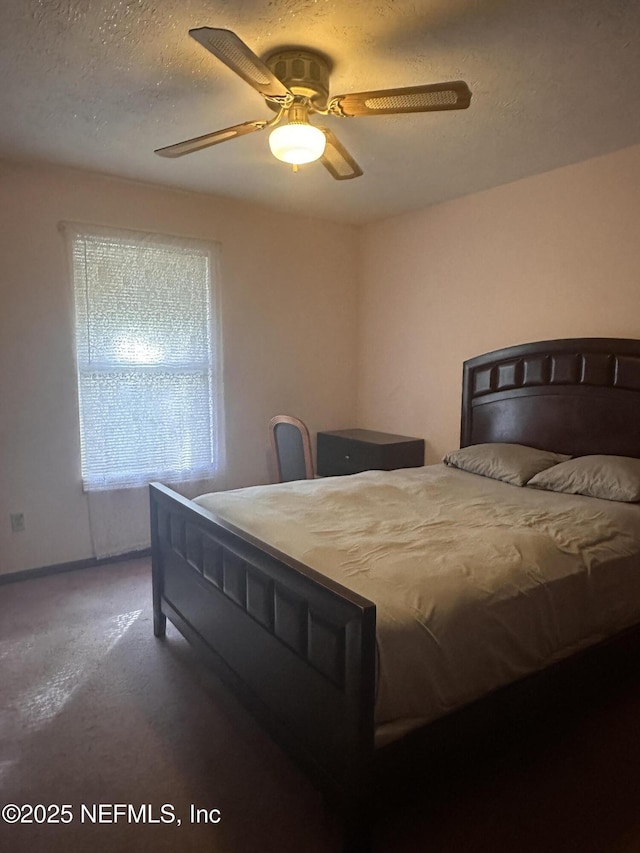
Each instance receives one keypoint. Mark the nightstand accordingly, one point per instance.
(350, 451)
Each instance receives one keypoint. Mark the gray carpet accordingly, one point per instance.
(95, 710)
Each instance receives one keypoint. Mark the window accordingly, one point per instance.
(148, 371)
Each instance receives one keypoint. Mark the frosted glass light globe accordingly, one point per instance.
(297, 143)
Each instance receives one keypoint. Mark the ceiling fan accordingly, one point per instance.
(295, 84)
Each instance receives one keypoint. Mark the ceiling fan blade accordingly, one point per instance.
(414, 99)
(239, 58)
(208, 139)
(337, 160)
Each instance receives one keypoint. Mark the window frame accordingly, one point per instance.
(91, 481)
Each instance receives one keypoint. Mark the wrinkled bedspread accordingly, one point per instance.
(476, 582)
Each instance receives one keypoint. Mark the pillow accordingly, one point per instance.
(513, 463)
(614, 478)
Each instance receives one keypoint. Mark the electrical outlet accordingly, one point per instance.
(17, 522)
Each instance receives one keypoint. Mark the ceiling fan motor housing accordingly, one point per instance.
(303, 72)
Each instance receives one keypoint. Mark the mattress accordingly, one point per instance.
(476, 582)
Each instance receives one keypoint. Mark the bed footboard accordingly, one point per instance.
(297, 648)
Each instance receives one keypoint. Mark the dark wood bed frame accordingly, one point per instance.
(299, 649)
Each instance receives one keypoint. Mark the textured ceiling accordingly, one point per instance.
(99, 85)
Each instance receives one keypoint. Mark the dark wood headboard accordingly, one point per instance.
(578, 396)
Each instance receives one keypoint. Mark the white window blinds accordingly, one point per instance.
(148, 372)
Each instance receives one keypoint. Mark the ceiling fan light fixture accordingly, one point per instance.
(294, 82)
(297, 142)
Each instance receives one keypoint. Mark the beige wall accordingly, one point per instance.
(551, 256)
(286, 346)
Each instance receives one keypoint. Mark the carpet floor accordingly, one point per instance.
(94, 712)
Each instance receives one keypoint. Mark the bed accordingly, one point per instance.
(281, 601)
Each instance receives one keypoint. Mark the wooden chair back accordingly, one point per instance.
(291, 446)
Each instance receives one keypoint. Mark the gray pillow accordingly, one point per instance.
(614, 478)
(512, 463)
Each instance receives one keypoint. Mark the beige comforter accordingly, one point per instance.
(476, 582)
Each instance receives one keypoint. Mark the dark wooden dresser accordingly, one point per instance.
(350, 451)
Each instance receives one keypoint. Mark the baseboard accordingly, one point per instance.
(89, 563)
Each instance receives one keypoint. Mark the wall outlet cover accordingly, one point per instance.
(17, 522)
